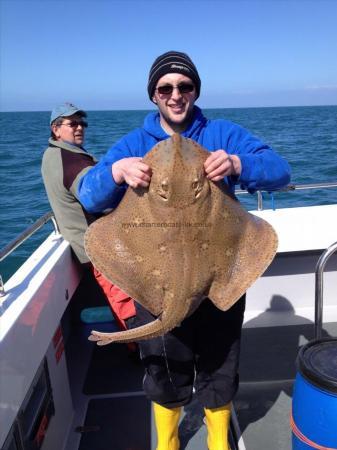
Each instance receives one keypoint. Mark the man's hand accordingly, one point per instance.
(220, 164)
(131, 171)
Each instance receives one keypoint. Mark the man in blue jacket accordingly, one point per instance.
(203, 352)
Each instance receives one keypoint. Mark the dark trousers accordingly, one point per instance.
(203, 352)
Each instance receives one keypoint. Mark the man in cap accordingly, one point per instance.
(63, 163)
(203, 352)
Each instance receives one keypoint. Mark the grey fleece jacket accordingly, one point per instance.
(63, 165)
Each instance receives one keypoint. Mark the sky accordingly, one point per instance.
(97, 54)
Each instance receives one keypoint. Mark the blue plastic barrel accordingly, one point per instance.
(314, 410)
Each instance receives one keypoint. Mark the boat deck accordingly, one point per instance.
(112, 411)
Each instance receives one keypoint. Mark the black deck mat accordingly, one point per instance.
(112, 370)
(117, 424)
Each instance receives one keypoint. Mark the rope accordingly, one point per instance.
(304, 439)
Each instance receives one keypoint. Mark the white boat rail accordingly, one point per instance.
(289, 188)
(319, 288)
(27, 233)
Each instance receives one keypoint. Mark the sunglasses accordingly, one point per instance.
(183, 88)
(75, 123)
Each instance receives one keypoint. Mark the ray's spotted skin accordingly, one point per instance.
(182, 239)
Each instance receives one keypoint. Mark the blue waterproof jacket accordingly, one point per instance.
(262, 168)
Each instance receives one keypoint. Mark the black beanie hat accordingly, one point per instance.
(172, 62)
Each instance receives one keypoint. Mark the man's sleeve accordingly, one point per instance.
(262, 167)
(96, 188)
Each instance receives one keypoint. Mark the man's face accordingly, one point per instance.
(176, 107)
(71, 129)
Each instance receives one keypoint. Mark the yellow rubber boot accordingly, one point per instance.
(167, 420)
(217, 421)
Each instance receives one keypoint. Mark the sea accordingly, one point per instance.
(305, 136)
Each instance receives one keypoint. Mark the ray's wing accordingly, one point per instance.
(130, 250)
(246, 245)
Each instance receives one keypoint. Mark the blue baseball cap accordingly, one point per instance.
(65, 110)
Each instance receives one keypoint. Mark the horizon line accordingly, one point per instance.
(149, 110)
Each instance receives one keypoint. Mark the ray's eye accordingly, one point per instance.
(164, 185)
(163, 191)
(195, 184)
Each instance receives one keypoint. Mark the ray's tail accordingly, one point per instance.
(173, 315)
